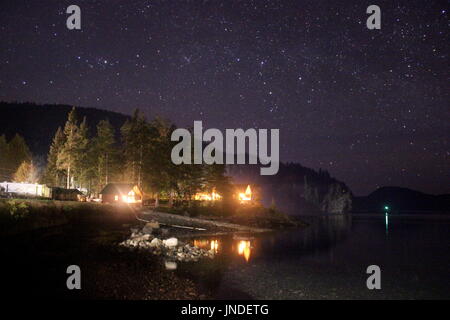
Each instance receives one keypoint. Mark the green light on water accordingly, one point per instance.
(386, 222)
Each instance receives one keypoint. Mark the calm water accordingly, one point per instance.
(328, 260)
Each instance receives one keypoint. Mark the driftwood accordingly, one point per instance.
(173, 225)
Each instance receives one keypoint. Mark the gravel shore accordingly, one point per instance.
(34, 265)
(35, 262)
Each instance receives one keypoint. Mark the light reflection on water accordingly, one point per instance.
(238, 247)
(207, 244)
(244, 249)
(334, 251)
(313, 240)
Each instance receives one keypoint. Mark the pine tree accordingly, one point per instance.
(191, 178)
(104, 151)
(52, 174)
(18, 152)
(83, 169)
(4, 169)
(136, 137)
(73, 152)
(66, 156)
(160, 172)
(215, 178)
(27, 172)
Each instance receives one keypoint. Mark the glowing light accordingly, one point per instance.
(213, 196)
(130, 198)
(200, 243)
(202, 196)
(245, 196)
(207, 244)
(244, 248)
(386, 222)
(215, 245)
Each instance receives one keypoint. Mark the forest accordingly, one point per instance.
(141, 156)
(82, 148)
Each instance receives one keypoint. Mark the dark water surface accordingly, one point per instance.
(328, 260)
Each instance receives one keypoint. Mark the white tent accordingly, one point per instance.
(29, 189)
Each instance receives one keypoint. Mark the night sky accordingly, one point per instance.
(370, 106)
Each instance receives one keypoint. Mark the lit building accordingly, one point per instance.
(205, 196)
(121, 193)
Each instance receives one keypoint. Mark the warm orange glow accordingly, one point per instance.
(207, 244)
(244, 249)
(216, 196)
(202, 196)
(213, 196)
(130, 198)
(200, 243)
(247, 195)
(240, 247)
(215, 245)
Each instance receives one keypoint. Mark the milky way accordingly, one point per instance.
(370, 106)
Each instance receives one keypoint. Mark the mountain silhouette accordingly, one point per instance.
(401, 200)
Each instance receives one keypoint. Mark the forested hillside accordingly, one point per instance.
(91, 147)
(297, 190)
(37, 124)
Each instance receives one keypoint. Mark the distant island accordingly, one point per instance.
(401, 200)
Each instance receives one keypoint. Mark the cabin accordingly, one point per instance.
(121, 193)
(63, 194)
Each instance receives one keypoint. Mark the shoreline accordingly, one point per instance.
(421, 216)
(184, 227)
(90, 237)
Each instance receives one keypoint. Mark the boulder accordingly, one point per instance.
(170, 265)
(171, 242)
(147, 230)
(155, 242)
